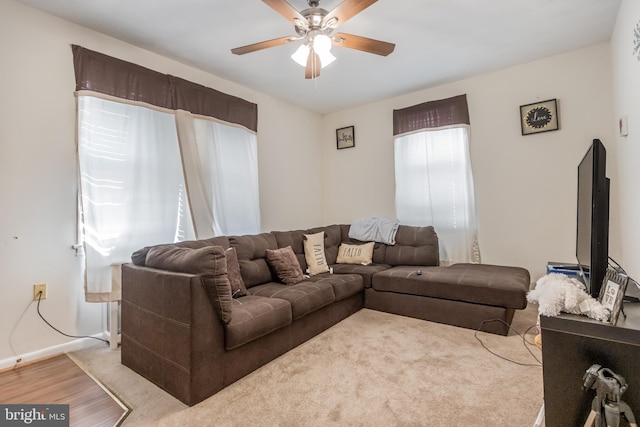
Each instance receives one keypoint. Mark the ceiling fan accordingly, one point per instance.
(315, 27)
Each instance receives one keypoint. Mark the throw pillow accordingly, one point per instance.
(233, 271)
(355, 254)
(314, 253)
(285, 264)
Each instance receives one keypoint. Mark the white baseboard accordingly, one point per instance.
(44, 353)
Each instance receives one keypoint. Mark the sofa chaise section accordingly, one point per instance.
(475, 296)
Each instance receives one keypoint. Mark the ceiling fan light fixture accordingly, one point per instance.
(321, 43)
(326, 58)
(301, 54)
(322, 46)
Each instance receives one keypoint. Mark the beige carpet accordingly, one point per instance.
(372, 369)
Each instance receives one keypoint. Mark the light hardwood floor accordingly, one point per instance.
(58, 380)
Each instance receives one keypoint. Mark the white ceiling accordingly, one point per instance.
(437, 41)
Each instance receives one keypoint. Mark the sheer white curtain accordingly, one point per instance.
(434, 186)
(132, 186)
(221, 165)
(147, 175)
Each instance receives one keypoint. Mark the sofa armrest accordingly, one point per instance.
(170, 332)
(209, 263)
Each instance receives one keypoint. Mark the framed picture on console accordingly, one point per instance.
(345, 137)
(612, 291)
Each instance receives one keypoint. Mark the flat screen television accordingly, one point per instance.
(592, 236)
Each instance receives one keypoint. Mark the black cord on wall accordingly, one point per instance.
(58, 330)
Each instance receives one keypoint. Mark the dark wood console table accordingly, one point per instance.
(570, 345)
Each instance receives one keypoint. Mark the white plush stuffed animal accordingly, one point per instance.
(557, 293)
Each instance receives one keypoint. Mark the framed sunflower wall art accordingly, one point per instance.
(539, 117)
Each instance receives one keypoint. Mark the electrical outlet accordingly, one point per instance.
(41, 287)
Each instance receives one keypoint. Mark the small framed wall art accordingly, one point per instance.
(612, 291)
(539, 117)
(345, 137)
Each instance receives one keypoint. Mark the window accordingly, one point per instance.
(131, 183)
(130, 167)
(160, 159)
(434, 184)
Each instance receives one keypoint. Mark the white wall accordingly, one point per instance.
(626, 89)
(37, 163)
(525, 185)
(290, 166)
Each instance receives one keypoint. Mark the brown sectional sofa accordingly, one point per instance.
(182, 330)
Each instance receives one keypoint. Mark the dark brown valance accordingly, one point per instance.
(433, 114)
(111, 76)
(101, 73)
(205, 101)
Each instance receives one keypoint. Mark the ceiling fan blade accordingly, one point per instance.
(313, 66)
(347, 10)
(263, 45)
(286, 10)
(363, 43)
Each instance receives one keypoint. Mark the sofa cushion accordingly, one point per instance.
(355, 254)
(344, 285)
(314, 253)
(365, 271)
(305, 297)
(254, 317)
(475, 283)
(414, 246)
(209, 262)
(285, 265)
(252, 257)
(233, 271)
